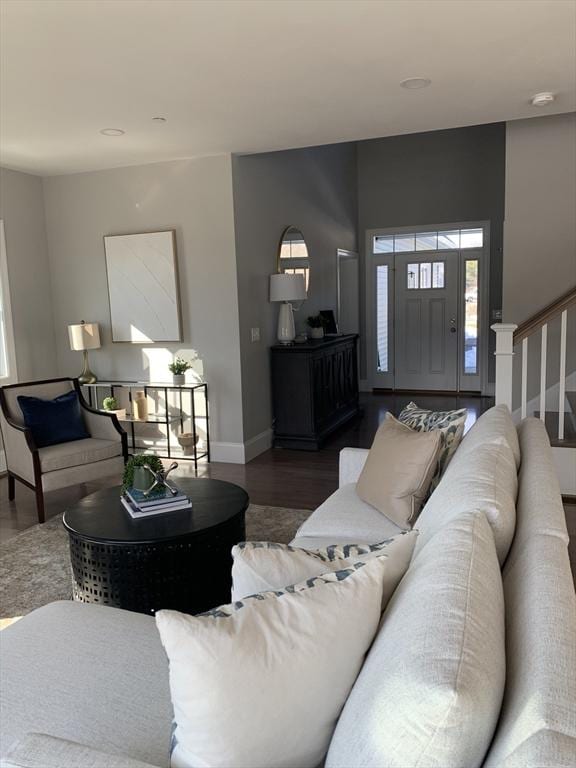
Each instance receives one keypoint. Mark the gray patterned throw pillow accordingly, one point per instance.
(449, 423)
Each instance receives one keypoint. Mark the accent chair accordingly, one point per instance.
(101, 454)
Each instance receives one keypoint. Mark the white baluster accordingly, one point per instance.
(504, 357)
(543, 350)
(562, 379)
(524, 375)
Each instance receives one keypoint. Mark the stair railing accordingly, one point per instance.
(509, 335)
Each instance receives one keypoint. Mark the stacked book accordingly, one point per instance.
(140, 505)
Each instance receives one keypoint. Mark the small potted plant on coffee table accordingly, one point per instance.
(135, 473)
(110, 405)
(178, 369)
(316, 324)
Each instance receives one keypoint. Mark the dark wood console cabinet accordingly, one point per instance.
(314, 390)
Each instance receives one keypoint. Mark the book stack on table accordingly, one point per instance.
(140, 505)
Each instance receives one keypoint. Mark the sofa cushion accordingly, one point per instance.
(343, 518)
(430, 690)
(537, 725)
(398, 470)
(481, 479)
(88, 674)
(494, 423)
(259, 566)
(450, 424)
(74, 454)
(37, 750)
(260, 683)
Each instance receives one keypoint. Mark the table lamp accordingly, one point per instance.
(85, 336)
(286, 288)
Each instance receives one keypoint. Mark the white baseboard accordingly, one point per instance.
(257, 445)
(241, 453)
(565, 462)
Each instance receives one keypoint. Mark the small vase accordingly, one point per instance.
(316, 333)
(179, 378)
(140, 406)
(142, 479)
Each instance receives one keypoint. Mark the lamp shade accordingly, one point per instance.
(84, 336)
(285, 287)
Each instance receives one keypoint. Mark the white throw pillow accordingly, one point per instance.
(259, 566)
(260, 683)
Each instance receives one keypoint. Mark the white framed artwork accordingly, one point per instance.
(143, 287)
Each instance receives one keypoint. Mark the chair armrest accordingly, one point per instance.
(104, 426)
(352, 462)
(19, 448)
(38, 750)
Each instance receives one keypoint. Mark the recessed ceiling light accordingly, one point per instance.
(413, 83)
(158, 119)
(542, 99)
(112, 132)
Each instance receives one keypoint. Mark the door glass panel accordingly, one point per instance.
(403, 243)
(449, 239)
(471, 238)
(427, 241)
(412, 276)
(471, 316)
(425, 275)
(383, 244)
(438, 274)
(382, 318)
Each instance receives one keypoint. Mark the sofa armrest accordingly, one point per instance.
(38, 750)
(352, 462)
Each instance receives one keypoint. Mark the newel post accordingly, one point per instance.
(504, 359)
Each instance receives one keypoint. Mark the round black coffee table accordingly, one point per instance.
(180, 560)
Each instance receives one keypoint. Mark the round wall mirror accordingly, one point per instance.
(293, 258)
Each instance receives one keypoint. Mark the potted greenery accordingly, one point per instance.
(110, 405)
(178, 369)
(135, 473)
(316, 324)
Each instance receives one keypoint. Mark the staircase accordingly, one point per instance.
(543, 359)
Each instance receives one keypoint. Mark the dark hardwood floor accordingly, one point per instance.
(279, 477)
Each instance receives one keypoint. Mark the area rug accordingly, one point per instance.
(35, 564)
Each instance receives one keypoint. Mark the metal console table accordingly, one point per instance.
(166, 418)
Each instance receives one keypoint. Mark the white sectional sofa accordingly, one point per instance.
(87, 686)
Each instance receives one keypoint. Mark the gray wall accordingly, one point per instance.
(540, 235)
(315, 190)
(194, 197)
(540, 229)
(433, 178)
(22, 209)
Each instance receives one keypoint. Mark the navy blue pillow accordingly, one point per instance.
(53, 421)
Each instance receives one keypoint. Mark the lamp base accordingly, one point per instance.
(87, 377)
(286, 330)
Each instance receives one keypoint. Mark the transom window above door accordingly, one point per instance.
(440, 240)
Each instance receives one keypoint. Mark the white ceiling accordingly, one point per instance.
(258, 75)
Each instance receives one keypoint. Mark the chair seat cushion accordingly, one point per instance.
(74, 454)
(89, 674)
(345, 518)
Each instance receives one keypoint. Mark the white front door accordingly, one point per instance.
(426, 321)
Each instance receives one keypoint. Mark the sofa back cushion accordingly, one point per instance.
(495, 422)
(481, 479)
(537, 727)
(430, 690)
